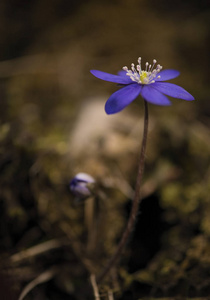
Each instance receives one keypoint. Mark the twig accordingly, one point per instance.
(110, 295)
(38, 249)
(95, 287)
(44, 277)
(135, 206)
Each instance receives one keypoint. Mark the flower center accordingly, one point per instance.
(143, 76)
(146, 76)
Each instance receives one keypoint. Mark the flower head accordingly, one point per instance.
(81, 185)
(148, 83)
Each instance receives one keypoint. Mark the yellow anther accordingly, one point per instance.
(144, 77)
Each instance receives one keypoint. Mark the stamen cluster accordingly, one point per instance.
(146, 76)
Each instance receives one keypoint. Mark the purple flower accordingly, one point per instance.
(81, 185)
(148, 83)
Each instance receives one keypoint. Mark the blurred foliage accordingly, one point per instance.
(53, 126)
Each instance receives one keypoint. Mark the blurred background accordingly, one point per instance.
(53, 125)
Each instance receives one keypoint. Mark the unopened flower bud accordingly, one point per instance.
(82, 186)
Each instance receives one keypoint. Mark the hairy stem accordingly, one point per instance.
(136, 202)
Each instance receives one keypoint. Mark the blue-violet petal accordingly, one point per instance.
(121, 79)
(152, 95)
(122, 73)
(173, 90)
(167, 75)
(123, 97)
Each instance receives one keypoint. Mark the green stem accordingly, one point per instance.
(135, 206)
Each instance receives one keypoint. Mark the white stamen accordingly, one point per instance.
(146, 76)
